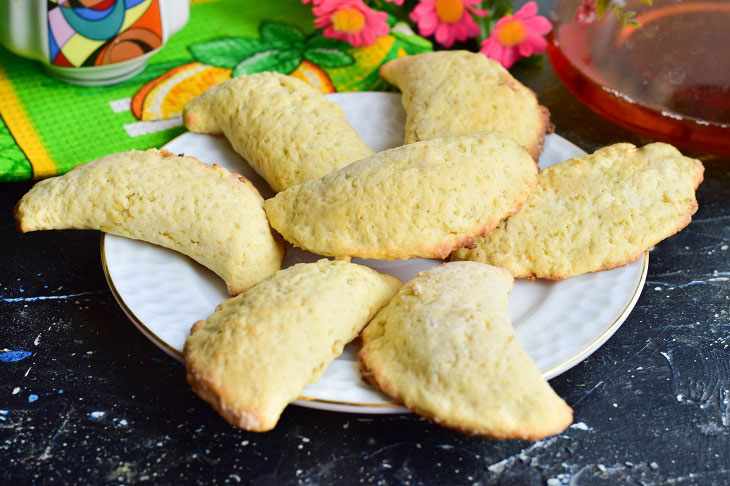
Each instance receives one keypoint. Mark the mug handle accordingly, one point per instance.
(175, 14)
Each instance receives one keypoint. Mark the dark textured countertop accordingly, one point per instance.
(94, 401)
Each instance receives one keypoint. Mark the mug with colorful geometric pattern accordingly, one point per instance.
(90, 42)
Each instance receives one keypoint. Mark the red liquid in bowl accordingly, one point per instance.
(668, 79)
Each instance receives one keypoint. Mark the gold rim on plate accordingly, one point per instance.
(552, 372)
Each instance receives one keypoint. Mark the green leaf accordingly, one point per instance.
(326, 43)
(272, 60)
(227, 52)
(416, 41)
(280, 35)
(328, 58)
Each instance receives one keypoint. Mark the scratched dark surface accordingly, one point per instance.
(95, 402)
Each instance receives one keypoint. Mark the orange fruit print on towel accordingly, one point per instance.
(327, 64)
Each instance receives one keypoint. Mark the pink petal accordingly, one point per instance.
(367, 38)
(487, 42)
(470, 27)
(492, 49)
(528, 10)
(539, 25)
(426, 28)
(496, 51)
(423, 8)
(477, 12)
(428, 22)
(374, 16)
(381, 30)
(378, 29)
(332, 33)
(445, 35)
(459, 31)
(525, 49)
(538, 43)
(510, 57)
(321, 10)
(356, 40)
(353, 39)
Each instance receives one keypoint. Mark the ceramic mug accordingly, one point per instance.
(90, 42)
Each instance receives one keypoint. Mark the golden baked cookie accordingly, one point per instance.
(213, 216)
(258, 350)
(286, 129)
(448, 93)
(419, 200)
(444, 347)
(595, 212)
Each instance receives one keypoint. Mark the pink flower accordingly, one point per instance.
(350, 20)
(518, 35)
(451, 20)
(586, 13)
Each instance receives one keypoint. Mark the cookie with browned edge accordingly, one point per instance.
(419, 200)
(448, 93)
(595, 212)
(444, 346)
(258, 350)
(286, 129)
(214, 216)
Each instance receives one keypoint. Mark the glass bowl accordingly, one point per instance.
(668, 79)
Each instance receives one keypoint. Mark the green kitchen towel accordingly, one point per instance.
(47, 127)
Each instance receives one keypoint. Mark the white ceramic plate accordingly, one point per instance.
(558, 323)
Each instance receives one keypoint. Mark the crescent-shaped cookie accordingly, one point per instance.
(448, 93)
(419, 200)
(213, 216)
(595, 212)
(444, 346)
(258, 350)
(286, 129)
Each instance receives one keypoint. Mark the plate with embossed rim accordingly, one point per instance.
(559, 323)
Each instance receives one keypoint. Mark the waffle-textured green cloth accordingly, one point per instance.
(49, 126)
